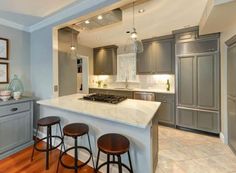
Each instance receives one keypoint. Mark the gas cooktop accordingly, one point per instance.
(113, 99)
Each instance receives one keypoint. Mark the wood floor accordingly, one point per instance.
(21, 163)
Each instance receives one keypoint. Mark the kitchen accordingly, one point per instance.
(164, 90)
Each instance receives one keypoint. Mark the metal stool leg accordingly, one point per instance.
(91, 150)
(76, 156)
(108, 163)
(96, 169)
(50, 136)
(47, 152)
(62, 135)
(58, 163)
(35, 140)
(130, 163)
(119, 164)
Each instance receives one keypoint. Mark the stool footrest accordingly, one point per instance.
(72, 148)
(50, 148)
(113, 162)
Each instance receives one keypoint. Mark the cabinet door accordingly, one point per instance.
(108, 62)
(162, 56)
(99, 61)
(14, 130)
(232, 122)
(207, 81)
(144, 60)
(186, 81)
(186, 118)
(208, 121)
(231, 60)
(166, 112)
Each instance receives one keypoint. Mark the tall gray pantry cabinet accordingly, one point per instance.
(231, 92)
(198, 81)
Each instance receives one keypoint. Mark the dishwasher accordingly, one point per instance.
(148, 96)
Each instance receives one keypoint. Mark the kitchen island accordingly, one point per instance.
(134, 119)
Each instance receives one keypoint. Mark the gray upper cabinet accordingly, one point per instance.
(197, 46)
(145, 60)
(157, 57)
(186, 81)
(105, 60)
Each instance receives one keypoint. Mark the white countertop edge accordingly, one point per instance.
(107, 118)
(135, 89)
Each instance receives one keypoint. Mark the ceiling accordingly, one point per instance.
(161, 17)
(30, 12)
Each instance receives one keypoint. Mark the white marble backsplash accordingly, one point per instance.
(156, 82)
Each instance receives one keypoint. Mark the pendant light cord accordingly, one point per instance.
(133, 15)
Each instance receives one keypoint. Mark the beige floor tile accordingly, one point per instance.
(187, 152)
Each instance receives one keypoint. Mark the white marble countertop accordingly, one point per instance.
(131, 112)
(136, 89)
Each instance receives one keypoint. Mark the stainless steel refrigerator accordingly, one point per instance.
(231, 95)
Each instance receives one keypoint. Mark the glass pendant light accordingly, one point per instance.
(137, 44)
(133, 44)
(73, 52)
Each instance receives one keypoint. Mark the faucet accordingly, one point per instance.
(126, 83)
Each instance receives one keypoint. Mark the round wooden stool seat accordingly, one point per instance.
(113, 143)
(48, 121)
(75, 129)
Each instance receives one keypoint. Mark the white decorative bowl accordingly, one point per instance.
(5, 93)
(5, 98)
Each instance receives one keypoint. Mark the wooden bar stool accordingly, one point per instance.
(47, 122)
(76, 130)
(113, 145)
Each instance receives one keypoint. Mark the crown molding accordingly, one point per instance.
(58, 16)
(14, 25)
(78, 8)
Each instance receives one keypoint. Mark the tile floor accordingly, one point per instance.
(186, 152)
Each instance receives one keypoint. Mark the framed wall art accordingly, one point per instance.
(4, 49)
(4, 73)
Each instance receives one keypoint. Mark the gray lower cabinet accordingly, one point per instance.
(166, 112)
(128, 94)
(16, 126)
(200, 120)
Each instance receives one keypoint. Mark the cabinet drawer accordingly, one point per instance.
(14, 108)
(165, 97)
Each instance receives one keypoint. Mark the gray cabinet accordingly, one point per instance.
(157, 57)
(16, 126)
(105, 60)
(208, 81)
(166, 112)
(128, 94)
(198, 81)
(200, 120)
(186, 81)
(198, 87)
(231, 93)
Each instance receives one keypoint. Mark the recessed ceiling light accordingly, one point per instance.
(100, 17)
(141, 10)
(87, 21)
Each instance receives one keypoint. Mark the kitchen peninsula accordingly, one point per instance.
(133, 118)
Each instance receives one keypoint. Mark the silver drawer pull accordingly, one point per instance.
(14, 109)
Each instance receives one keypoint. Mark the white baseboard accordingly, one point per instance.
(222, 138)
